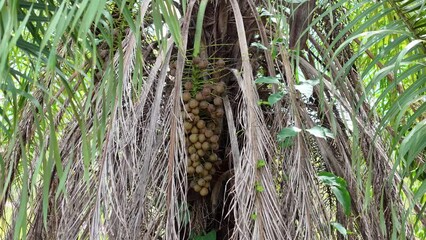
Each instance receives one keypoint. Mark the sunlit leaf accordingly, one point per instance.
(320, 132)
(288, 132)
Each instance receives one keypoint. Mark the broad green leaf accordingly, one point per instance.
(209, 236)
(320, 132)
(274, 98)
(339, 188)
(306, 87)
(288, 132)
(199, 27)
(269, 80)
(339, 227)
(261, 163)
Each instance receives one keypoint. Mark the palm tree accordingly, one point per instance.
(212, 119)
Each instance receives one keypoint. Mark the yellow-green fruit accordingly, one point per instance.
(193, 103)
(197, 188)
(196, 164)
(213, 157)
(208, 165)
(207, 185)
(204, 191)
(198, 145)
(201, 153)
(194, 130)
(201, 182)
(205, 146)
(195, 157)
(186, 96)
(201, 124)
(187, 125)
(208, 133)
(195, 111)
(192, 183)
(192, 149)
(208, 178)
(201, 138)
(205, 173)
(194, 138)
(190, 170)
(199, 169)
(214, 139)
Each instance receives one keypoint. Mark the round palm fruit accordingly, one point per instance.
(201, 182)
(187, 126)
(186, 106)
(201, 124)
(199, 169)
(188, 161)
(196, 117)
(214, 139)
(213, 157)
(196, 164)
(187, 86)
(208, 132)
(205, 146)
(195, 111)
(220, 87)
(207, 185)
(202, 130)
(208, 178)
(198, 145)
(214, 146)
(192, 149)
(199, 96)
(204, 104)
(193, 103)
(190, 170)
(204, 173)
(192, 183)
(204, 191)
(186, 96)
(220, 112)
(211, 125)
(211, 108)
(201, 153)
(193, 138)
(220, 63)
(208, 165)
(194, 157)
(217, 101)
(203, 64)
(212, 171)
(190, 117)
(206, 91)
(196, 60)
(201, 138)
(197, 188)
(194, 130)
